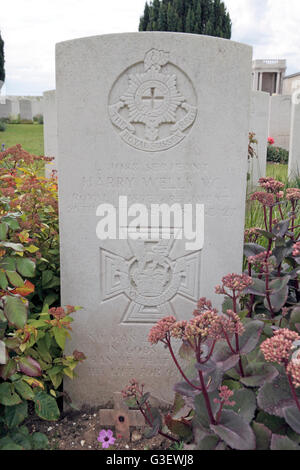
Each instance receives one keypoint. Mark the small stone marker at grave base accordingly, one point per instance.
(121, 417)
(26, 110)
(294, 156)
(50, 130)
(259, 121)
(148, 116)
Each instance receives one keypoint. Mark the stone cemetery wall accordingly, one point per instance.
(148, 116)
(50, 130)
(259, 122)
(294, 157)
(26, 109)
(280, 120)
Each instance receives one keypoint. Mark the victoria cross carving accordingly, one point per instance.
(150, 279)
(152, 99)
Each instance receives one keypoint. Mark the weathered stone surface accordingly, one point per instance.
(259, 121)
(280, 120)
(26, 109)
(159, 118)
(50, 130)
(6, 109)
(294, 156)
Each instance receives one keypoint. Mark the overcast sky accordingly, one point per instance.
(31, 28)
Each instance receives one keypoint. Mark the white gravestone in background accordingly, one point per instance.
(259, 121)
(280, 120)
(26, 110)
(148, 116)
(6, 109)
(37, 104)
(294, 156)
(50, 130)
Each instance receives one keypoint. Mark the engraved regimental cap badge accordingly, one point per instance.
(149, 107)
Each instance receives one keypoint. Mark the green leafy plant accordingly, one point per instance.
(2, 126)
(32, 335)
(277, 154)
(38, 118)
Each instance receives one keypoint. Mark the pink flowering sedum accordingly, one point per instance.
(203, 305)
(296, 249)
(237, 283)
(266, 199)
(161, 331)
(279, 348)
(272, 186)
(224, 396)
(293, 194)
(293, 369)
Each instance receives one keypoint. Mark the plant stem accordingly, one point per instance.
(218, 417)
(252, 298)
(204, 390)
(180, 369)
(228, 342)
(293, 391)
(210, 353)
(268, 294)
(237, 342)
(151, 424)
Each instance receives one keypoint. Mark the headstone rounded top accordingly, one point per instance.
(152, 100)
(147, 35)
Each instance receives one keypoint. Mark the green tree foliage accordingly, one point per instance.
(2, 70)
(208, 17)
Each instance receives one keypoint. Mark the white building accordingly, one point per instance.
(268, 75)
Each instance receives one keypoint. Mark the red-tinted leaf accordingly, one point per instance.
(25, 290)
(30, 366)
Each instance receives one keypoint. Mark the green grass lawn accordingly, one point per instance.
(30, 136)
(254, 213)
(278, 172)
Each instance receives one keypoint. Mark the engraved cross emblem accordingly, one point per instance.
(152, 98)
(150, 278)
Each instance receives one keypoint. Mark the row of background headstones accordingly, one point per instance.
(270, 116)
(273, 116)
(25, 107)
(276, 117)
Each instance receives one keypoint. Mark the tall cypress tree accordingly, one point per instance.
(171, 17)
(144, 20)
(2, 70)
(192, 16)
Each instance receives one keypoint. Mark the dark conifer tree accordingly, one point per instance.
(2, 70)
(191, 16)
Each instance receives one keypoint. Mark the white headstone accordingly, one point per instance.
(15, 108)
(280, 120)
(294, 156)
(50, 130)
(151, 117)
(26, 110)
(6, 109)
(37, 106)
(259, 123)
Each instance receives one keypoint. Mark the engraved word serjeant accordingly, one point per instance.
(153, 100)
